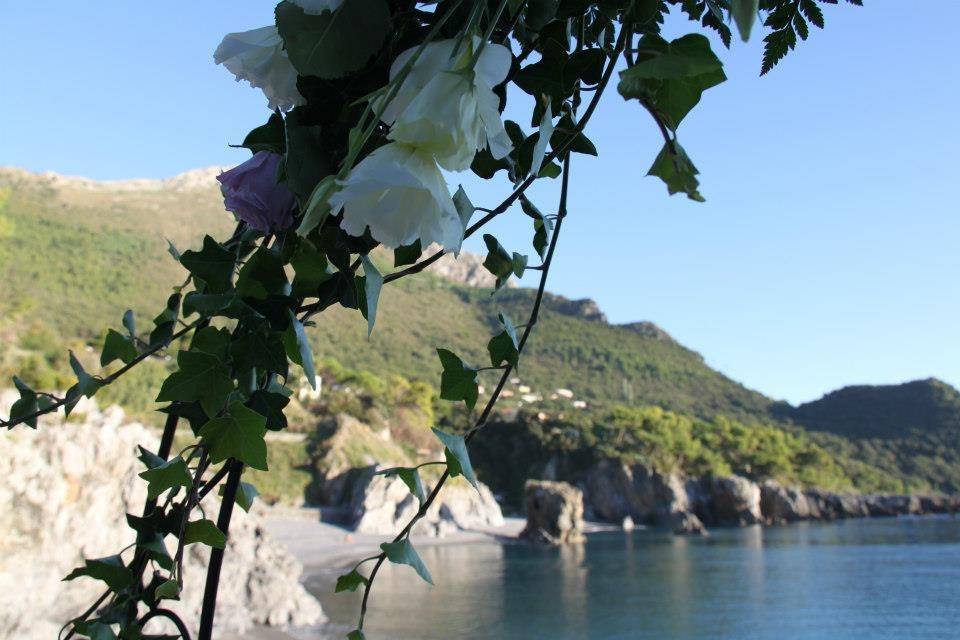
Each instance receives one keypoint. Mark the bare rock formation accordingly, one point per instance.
(554, 512)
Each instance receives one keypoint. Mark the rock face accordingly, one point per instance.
(780, 504)
(614, 492)
(733, 501)
(384, 505)
(64, 490)
(554, 512)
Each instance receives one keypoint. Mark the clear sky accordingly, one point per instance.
(826, 253)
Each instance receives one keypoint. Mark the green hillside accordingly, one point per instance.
(74, 254)
(910, 429)
(71, 258)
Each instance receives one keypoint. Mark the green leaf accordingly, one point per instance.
(539, 13)
(213, 264)
(156, 550)
(499, 262)
(86, 384)
(356, 634)
(237, 434)
(333, 44)
(403, 553)
(503, 347)
(200, 377)
(262, 275)
(310, 266)
(677, 172)
(267, 137)
(165, 321)
(169, 590)
(458, 459)
(246, 494)
(270, 404)
(350, 581)
(542, 226)
(543, 139)
(458, 380)
(372, 282)
(28, 403)
(95, 630)
(150, 459)
(298, 348)
(117, 347)
(464, 207)
(130, 324)
(212, 340)
(170, 474)
(261, 350)
(110, 570)
(408, 254)
(205, 532)
(744, 15)
(411, 478)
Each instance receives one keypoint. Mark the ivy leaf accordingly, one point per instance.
(356, 634)
(262, 275)
(372, 282)
(200, 377)
(465, 208)
(28, 403)
(117, 347)
(246, 494)
(95, 630)
(237, 434)
(543, 139)
(152, 543)
(503, 347)
(270, 405)
(298, 348)
(744, 14)
(267, 137)
(403, 553)
(410, 477)
(86, 385)
(350, 582)
(318, 206)
(310, 266)
(333, 44)
(212, 340)
(165, 321)
(677, 172)
(170, 474)
(458, 380)
(500, 262)
(130, 324)
(169, 590)
(205, 532)
(458, 459)
(408, 254)
(261, 350)
(110, 570)
(149, 459)
(213, 264)
(542, 226)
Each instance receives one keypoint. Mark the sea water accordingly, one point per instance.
(880, 578)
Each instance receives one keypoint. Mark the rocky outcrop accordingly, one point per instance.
(64, 490)
(614, 491)
(780, 504)
(554, 512)
(733, 500)
(384, 505)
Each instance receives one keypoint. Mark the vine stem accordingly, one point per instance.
(488, 408)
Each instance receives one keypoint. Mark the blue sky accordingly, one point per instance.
(826, 253)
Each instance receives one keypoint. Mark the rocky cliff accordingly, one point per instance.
(64, 490)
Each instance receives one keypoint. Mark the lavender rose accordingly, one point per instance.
(252, 193)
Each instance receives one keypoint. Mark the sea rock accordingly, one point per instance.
(780, 504)
(734, 500)
(615, 491)
(384, 505)
(894, 505)
(64, 490)
(554, 512)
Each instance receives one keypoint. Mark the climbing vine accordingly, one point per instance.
(370, 102)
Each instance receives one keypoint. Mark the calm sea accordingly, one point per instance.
(890, 578)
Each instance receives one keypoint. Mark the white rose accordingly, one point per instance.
(444, 109)
(258, 57)
(316, 7)
(399, 193)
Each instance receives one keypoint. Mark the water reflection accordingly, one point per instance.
(868, 579)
